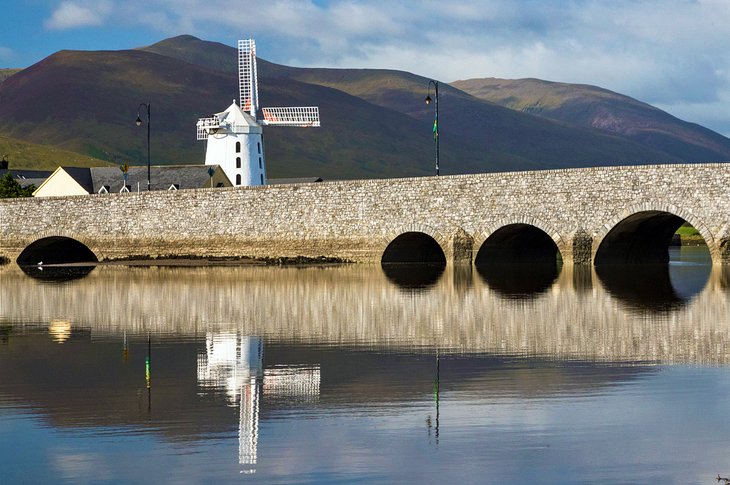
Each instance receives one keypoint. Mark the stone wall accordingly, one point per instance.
(357, 219)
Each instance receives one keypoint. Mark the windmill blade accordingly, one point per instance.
(299, 116)
(248, 84)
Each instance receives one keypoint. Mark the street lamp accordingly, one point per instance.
(436, 119)
(138, 122)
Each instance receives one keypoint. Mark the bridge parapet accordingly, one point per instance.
(357, 219)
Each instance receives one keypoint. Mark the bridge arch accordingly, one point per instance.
(643, 232)
(56, 249)
(415, 243)
(519, 239)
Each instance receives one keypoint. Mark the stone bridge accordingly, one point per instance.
(582, 216)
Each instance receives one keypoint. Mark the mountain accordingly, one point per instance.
(590, 106)
(475, 136)
(374, 122)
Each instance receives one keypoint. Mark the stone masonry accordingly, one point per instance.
(356, 220)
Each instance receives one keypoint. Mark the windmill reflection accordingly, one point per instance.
(234, 363)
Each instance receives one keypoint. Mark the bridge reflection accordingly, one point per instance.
(582, 314)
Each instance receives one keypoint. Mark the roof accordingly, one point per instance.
(26, 178)
(300, 180)
(161, 177)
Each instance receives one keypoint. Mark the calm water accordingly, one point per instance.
(360, 374)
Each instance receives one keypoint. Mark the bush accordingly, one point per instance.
(10, 188)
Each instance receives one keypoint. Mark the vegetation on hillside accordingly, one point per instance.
(6, 73)
(32, 156)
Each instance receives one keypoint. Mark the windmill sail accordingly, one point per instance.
(247, 76)
(300, 116)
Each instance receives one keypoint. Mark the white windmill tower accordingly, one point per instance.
(235, 136)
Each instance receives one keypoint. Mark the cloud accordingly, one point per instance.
(5, 53)
(73, 15)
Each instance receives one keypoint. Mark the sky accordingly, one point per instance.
(669, 53)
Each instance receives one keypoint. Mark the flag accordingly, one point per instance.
(435, 129)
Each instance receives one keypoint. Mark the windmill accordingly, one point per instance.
(235, 136)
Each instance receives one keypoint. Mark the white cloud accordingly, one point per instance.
(73, 15)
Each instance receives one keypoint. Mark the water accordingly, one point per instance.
(359, 374)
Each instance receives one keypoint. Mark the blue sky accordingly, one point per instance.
(670, 53)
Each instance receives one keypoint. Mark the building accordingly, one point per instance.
(235, 141)
(26, 178)
(106, 180)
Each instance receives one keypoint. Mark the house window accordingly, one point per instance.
(238, 147)
(261, 164)
(262, 179)
(238, 162)
(259, 145)
(238, 179)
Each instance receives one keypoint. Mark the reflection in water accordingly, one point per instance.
(574, 317)
(519, 280)
(641, 286)
(235, 364)
(57, 273)
(658, 286)
(413, 276)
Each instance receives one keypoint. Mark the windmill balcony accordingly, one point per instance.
(205, 126)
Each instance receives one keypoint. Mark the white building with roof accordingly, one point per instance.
(236, 143)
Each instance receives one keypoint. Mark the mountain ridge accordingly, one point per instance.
(374, 122)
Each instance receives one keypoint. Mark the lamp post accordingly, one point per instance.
(138, 122)
(436, 119)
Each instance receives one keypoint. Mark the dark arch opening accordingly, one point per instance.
(414, 247)
(518, 261)
(644, 237)
(518, 243)
(56, 250)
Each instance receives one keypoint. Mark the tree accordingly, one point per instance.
(10, 188)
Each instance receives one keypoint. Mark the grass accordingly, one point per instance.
(690, 236)
(23, 154)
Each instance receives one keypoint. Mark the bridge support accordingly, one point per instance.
(460, 248)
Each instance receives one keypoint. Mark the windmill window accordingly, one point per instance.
(238, 162)
(262, 179)
(259, 145)
(238, 147)
(238, 179)
(261, 164)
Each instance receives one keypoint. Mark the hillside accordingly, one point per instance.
(374, 122)
(22, 154)
(476, 136)
(6, 73)
(594, 107)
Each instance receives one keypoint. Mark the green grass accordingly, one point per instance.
(22, 154)
(688, 230)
